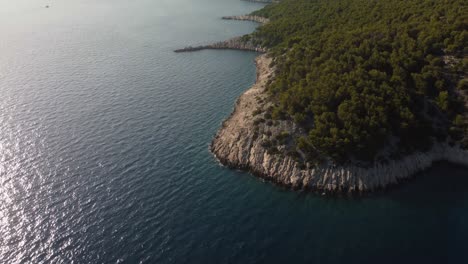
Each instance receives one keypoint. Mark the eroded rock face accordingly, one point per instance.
(239, 144)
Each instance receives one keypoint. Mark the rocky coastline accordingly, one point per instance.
(263, 1)
(257, 19)
(240, 144)
(237, 43)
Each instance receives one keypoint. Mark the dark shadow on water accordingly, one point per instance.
(421, 220)
(443, 182)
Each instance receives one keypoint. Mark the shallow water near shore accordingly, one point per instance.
(104, 135)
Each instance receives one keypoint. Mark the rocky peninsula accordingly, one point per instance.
(250, 139)
(263, 1)
(236, 43)
(257, 19)
(240, 144)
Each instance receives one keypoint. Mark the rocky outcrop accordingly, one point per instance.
(240, 144)
(237, 43)
(263, 1)
(258, 19)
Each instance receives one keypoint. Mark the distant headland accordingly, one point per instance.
(236, 43)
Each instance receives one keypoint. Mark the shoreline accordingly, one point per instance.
(237, 144)
(235, 43)
(263, 1)
(256, 19)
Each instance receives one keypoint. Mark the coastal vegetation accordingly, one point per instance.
(363, 77)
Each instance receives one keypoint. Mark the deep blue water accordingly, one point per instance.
(104, 135)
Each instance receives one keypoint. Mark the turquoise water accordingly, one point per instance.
(104, 135)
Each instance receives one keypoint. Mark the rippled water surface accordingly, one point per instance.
(104, 135)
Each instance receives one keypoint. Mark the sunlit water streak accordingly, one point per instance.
(104, 135)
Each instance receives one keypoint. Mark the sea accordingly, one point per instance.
(104, 135)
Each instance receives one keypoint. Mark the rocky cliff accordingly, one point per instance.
(240, 143)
